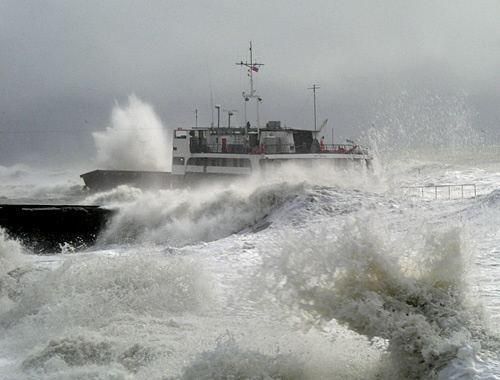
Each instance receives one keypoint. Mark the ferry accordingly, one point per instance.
(215, 152)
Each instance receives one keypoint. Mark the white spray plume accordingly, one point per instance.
(423, 124)
(136, 139)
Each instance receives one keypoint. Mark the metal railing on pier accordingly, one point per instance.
(443, 191)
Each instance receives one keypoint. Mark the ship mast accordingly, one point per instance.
(314, 88)
(253, 67)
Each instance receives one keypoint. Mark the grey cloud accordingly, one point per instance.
(65, 63)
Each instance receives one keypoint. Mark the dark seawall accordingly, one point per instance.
(45, 228)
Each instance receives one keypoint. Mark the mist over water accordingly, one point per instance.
(135, 140)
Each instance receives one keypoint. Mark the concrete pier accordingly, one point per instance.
(44, 228)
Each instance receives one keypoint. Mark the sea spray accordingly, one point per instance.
(11, 253)
(180, 217)
(414, 123)
(136, 139)
(381, 288)
(115, 197)
(20, 183)
(414, 129)
(14, 172)
(12, 260)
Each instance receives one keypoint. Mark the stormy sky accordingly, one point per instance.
(65, 64)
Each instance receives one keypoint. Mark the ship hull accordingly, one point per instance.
(107, 179)
(98, 180)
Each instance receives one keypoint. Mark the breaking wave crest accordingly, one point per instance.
(114, 197)
(180, 217)
(216, 210)
(415, 298)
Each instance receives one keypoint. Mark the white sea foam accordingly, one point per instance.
(229, 361)
(82, 291)
(418, 301)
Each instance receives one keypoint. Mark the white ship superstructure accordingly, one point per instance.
(242, 151)
(215, 151)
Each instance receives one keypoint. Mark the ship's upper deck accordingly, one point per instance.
(272, 139)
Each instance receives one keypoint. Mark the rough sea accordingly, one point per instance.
(317, 274)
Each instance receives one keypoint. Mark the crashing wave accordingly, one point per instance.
(417, 302)
(180, 217)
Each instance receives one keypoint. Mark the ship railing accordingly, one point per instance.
(342, 149)
(220, 148)
(442, 191)
(275, 149)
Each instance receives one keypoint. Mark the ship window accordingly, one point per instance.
(179, 134)
(178, 161)
(197, 161)
(245, 162)
(220, 161)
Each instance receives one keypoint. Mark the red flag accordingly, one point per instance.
(255, 68)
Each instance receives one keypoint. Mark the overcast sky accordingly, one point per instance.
(64, 64)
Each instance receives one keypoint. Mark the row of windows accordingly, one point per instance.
(226, 162)
(214, 161)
